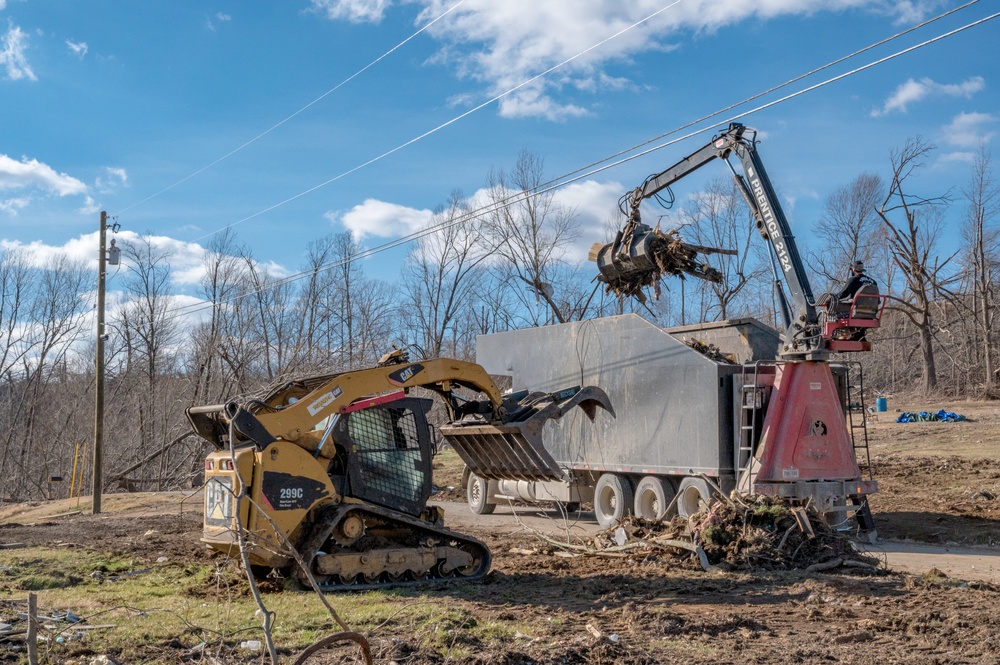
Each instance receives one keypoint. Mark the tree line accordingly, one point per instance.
(506, 267)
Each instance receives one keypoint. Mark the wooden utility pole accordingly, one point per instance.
(99, 396)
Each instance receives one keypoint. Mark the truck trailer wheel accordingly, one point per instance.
(653, 497)
(690, 495)
(476, 493)
(612, 499)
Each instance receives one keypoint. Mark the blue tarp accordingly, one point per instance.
(925, 416)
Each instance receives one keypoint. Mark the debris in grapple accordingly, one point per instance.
(640, 255)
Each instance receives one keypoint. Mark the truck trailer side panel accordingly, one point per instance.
(674, 405)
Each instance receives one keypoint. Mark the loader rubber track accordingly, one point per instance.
(418, 551)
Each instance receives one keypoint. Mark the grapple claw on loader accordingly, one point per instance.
(513, 449)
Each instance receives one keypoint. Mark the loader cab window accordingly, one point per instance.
(390, 455)
(384, 430)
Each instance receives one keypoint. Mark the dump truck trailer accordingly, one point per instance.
(691, 407)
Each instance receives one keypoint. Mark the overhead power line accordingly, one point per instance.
(598, 166)
(444, 124)
(301, 110)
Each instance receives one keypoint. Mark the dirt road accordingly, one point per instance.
(962, 563)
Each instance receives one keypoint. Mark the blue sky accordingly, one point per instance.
(119, 106)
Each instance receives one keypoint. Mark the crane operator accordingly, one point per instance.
(858, 279)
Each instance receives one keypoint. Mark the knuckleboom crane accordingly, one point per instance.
(805, 449)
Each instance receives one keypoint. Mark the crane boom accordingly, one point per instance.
(801, 319)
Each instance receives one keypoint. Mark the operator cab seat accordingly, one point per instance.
(865, 305)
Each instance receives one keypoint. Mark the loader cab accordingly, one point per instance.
(387, 451)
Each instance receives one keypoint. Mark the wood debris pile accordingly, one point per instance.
(711, 351)
(746, 533)
(663, 253)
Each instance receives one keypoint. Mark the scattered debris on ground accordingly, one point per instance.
(755, 533)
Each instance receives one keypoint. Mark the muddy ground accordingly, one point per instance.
(940, 484)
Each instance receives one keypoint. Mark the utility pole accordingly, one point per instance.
(105, 257)
(99, 400)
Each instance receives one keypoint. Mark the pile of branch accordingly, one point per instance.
(711, 351)
(748, 534)
(675, 257)
(671, 255)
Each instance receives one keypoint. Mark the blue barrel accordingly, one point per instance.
(881, 404)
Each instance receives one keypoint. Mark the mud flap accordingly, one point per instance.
(513, 449)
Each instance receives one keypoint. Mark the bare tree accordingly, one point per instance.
(529, 234)
(348, 278)
(220, 284)
(912, 246)
(719, 217)
(150, 334)
(981, 255)
(55, 322)
(439, 276)
(850, 228)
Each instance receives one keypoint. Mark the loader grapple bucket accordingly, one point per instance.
(513, 449)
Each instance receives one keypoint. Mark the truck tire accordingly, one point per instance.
(612, 499)
(476, 493)
(654, 498)
(692, 493)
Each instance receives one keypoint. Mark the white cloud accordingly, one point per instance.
(912, 11)
(113, 177)
(596, 207)
(219, 17)
(381, 219)
(355, 11)
(32, 173)
(913, 91)
(968, 130)
(186, 259)
(503, 44)
(957, 156)
(11, 206)
(89, 207)
(12, 54)
(594, 203)
(79, 49)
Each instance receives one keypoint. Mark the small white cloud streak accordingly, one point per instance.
(913, 91)
(968, 130)
(355, 11)
(89, 207)
(11, 206)
(32, 173)
(220, 17)
(113, 178)
(13, 46)
(79, 49)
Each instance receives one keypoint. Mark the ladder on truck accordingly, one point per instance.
(751, 405)
(854, 394)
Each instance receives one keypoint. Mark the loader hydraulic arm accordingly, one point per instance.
(802, 323)
(294, 408)
(336, 395)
